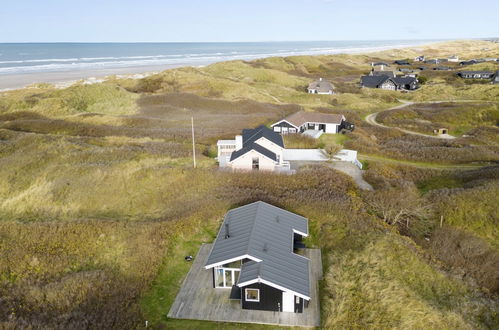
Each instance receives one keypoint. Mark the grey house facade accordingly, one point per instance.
(254, 258)
(476, 74)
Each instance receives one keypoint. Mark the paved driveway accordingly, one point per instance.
(305, 155)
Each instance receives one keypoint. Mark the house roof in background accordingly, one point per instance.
(322, 85)
(301, 117)
(264, 232)
(475, 72)
(404, 80)
(373, 81)
(390, 74)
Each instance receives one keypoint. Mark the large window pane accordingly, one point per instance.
(228, 278)
(236, 277)
(219, 277)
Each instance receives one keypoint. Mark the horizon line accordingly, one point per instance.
(260, 41)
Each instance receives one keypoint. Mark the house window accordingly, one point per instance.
(255, 163)
(252, 295)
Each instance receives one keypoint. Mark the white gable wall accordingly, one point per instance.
(245, 162)
(271, 146)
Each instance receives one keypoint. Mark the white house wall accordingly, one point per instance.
(331, 128)
(270, 146)
(245, 162)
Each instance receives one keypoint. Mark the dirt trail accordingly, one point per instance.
(371, 119)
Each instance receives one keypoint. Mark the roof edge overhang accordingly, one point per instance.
(284, 120)
(245, 256)
(301, 233)
(261, 280)
(252, 149)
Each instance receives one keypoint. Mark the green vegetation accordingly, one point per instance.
(459, 118)
(99, 202)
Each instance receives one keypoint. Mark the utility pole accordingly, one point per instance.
(193, 143)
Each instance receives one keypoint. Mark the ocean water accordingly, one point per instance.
(19, 58)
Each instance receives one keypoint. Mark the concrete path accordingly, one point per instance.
(305, 155)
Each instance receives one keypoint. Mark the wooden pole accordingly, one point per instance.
(441, 220)
(193, 143)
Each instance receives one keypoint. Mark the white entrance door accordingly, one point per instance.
(288, 302)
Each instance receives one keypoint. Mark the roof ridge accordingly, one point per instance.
(258, 203)
(256, 130)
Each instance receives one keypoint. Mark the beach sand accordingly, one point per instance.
(66, 78)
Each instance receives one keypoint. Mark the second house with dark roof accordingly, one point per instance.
(389, 83)
(256, 149)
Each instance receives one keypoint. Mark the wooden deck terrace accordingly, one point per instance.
(198, 300)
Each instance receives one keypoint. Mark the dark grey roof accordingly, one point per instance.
(390, 74)
(251, 135)
(380, 63)
(404, 80)
(373, 81)
(467, 62)
(402, 62)
(442, 68)
(253, 146)
(264, 232)
(476, 72)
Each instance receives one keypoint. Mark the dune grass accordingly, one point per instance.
(457, 117)
(386, 285)
(99, 202)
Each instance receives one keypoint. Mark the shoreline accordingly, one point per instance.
(63, 79)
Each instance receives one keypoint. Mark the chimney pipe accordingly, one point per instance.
(227, 235)
(239, 142)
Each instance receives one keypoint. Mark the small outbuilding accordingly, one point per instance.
(441, 131)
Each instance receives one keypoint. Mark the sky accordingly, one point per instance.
(250, 20)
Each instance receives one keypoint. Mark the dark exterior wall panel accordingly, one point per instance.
(270, 298)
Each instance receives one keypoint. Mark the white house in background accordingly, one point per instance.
(256, 149)
(310, 123)
(453, 58)
(320, 86)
